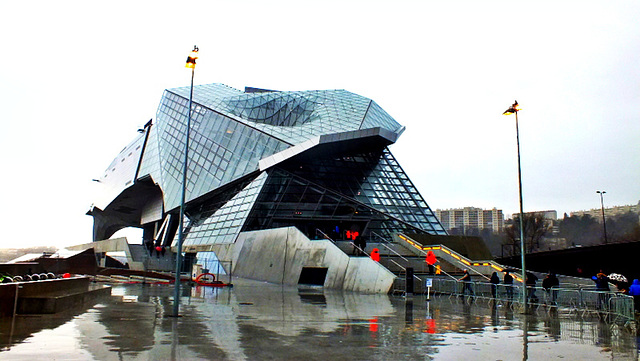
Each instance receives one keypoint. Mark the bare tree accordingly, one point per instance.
(535, 228)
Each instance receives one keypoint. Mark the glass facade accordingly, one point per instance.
(366, 192)
(329, 167)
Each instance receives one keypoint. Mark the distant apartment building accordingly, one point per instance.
(467, 218)
(596, 213)
(550, 215)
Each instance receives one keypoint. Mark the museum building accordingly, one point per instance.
(274, 180)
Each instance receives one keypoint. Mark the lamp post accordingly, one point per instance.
(513, 109)
(604, 220)
(191, 63)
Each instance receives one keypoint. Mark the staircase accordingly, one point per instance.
(404, 252)
(448, 257)
(140, 255)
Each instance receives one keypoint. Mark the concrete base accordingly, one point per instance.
(55, 304)
(49, 296)
(279, 255)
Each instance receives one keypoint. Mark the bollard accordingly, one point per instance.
(409, 281)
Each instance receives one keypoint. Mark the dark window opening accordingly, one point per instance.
(313, 276)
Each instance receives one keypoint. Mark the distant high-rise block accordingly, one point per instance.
(469, 218)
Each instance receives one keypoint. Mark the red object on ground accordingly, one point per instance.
(373, 324)
(66, 275)
(375, 255)
(431, 258)
(209, 279)
(431, 326)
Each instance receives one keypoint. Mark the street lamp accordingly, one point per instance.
(191, 63)
(513, 109)
(604, 221)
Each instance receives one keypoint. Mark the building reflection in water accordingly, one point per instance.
(255, 321)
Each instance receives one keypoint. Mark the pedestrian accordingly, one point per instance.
(602, 288)
(363, 245)
(495, 280)
(508, 283)
(602, 283)
(531, 287)
(357, 245)
(163, 251)
(466, 283)
(634, 291)
(149, 245)
(550, 285)
(623, 287)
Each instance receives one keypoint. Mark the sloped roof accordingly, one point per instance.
(294, 116)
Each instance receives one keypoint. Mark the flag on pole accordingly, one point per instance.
(512, 109)
(191, 59)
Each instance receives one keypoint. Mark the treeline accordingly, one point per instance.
(587, 231)
(541, 234)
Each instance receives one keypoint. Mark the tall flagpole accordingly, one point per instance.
(191, 63)
(514, 109)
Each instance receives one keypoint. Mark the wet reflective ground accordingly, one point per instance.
(259, 321)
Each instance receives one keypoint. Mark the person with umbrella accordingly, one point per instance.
(621, 282)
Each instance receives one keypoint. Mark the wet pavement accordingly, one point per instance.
(260, 321)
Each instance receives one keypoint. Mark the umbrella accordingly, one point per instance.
(616, 277)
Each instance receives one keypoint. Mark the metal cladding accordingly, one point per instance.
(262, 159)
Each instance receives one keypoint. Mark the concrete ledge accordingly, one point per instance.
(49, 296)
(55, 304)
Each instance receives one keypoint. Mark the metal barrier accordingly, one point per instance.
(615, 306)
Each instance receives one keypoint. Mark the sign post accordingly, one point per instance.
(429, 284)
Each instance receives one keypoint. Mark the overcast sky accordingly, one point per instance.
(77, 79)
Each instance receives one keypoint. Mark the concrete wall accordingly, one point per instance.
(278, 256)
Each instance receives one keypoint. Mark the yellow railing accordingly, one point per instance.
(455, 255)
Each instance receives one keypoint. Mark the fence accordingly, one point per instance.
(616, 306)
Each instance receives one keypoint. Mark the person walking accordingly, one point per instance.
(466, 283)
(495, 280)
(634, 290)
(550, 285)
(508, 283)
(531, 280)
(602, 287)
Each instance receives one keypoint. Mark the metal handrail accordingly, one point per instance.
(395, 253)
(318, 230)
